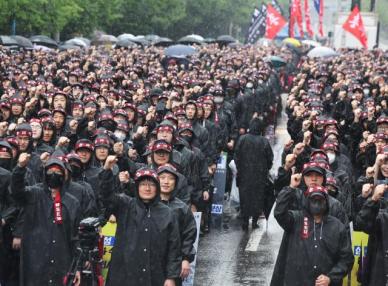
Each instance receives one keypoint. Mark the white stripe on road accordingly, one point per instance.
(255, 237)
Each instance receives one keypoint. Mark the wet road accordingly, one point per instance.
(230, 256)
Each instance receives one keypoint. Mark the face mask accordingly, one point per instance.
(218, 99)
(249, 85)
(5, 163)
(76, 171)
(317, 207)
(187, 138)
(54, 180)
(331, 157)
(231, 92)
(120, 135)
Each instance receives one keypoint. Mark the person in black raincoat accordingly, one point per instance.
(51, 223)
(168, 177)
(253, 157)
(373, 219)
(313, 174)
(7, 213)
(147, 250)
(319, 252)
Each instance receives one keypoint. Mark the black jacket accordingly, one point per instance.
(187, 226)
(47, 248)
(326, 248)
(147, 249)
(373, 219)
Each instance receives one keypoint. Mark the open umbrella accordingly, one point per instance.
(125, 36)
(66, 46)
(105, 39)
(42, 40)
(125, 43)
(76, 42)
(23, 42)
(190, 39)
(311, 43)
(163, 42)
(8, 41)
(292, 41)
(179, 51)
(322, 52)
(226, 39)
(85, 40)
(276, 61)
(151, 38)
(140, 40)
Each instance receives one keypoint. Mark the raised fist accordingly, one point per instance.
(295, 180)
(110, 162)
(24, 158)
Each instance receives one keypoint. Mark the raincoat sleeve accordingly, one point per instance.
(345, 259)
(282, 180)
(111, 200)
(189, 234)
(268, 154)
(366, 218)
(19, 192)
(284, 216)
(174, 257)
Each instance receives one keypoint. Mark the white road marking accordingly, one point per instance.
(255, 237)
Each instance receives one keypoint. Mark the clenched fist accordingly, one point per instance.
(24, 158)
(110, 161)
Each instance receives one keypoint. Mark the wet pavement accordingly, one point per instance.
(229, 256)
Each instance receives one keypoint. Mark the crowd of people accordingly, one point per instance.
(334, 171)
(133, 136)
(128, 136)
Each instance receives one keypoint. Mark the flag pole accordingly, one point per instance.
(289, 17)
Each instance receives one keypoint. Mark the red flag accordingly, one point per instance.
(274, 22)
(296, 14)
(307, 18)
(321, 18)
(355, 26)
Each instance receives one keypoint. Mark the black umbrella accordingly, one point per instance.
(44, 41)
(140, 40)
(23, 42)
(125, 43)
(163, 42)
(8, 41)
(276, 61)
(190, 40)
(179, 51)
(226, 39)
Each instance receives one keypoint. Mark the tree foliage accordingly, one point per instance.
(172, 18)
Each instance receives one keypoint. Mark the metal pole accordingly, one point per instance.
(289, 17)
